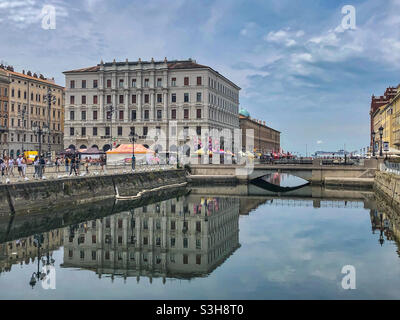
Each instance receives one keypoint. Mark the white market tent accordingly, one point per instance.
(123, 154)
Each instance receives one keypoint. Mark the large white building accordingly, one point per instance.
(164, 102)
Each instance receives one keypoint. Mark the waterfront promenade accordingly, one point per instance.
(52, 173)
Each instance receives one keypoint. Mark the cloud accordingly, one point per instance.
(319, 142)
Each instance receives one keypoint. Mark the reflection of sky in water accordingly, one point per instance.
(285, 253)
(284, 180)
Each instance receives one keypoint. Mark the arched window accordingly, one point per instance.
(106, 147)
(83, 147)
(71, 146)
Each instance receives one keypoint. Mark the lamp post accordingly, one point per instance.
(111, 111)
(38, 239)
(22, 115)
(49, 98)
(39, 132)
(381, 135)
(373, 143)
(3, 129)
(133, 137)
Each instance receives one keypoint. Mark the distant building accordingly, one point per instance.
(381, 114)
(266, 139)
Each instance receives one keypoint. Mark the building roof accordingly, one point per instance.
(172, 65)
(18, 74)
(243, 112)
(89, 69)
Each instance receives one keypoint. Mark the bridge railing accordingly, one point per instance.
(391, 167)
(324, 162)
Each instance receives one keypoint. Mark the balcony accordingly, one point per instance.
(3, 129)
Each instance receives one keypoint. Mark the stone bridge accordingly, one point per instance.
(315, 173)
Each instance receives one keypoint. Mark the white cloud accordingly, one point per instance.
(320, 142)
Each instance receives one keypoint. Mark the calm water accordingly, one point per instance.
(210, 246)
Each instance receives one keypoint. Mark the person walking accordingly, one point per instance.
(58, 160)
(87, 165)
(73, 165)
(2, 168)
(19, 165)
(36, 165)
(78, 164)
(42, 165)
(67, 163)
(10, 167)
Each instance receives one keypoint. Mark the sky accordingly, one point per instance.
(300, 70)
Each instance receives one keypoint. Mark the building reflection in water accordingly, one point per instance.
(26, 250)
(387, 227)
(181, 238)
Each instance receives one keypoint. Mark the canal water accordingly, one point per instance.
(212, 243)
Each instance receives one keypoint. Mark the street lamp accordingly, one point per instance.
(381, 135)
(49, 98)
(373, 143)
(39, 132)
(38, 239)
(133, 138)
(22, 115)
(3, 129)
(111, 111)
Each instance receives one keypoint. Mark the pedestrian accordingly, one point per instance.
(24, 165)
(78, 164)
(67, 162)
(42, 166)
(36, 165)
(11, 167)
(87, 165)
(19, 165)
(58, 160)
(73, 167)
(2, 168)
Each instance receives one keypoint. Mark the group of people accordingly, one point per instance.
(73, 165)
(7, 165)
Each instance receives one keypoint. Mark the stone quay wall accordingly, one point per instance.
(388, 186)
(32, 197)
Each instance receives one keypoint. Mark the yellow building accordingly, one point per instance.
(388, 117)
(28, 106)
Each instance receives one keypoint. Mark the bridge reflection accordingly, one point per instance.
(183, 236)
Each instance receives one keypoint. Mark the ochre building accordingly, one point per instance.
(266, 139)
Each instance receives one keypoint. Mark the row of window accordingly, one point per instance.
(145, 131)
(33, 138)
(34, 110)
(146, 98)
(146, 83)
(185, 257)
(145, 241)
(146, 115)
(38, 97)
(23, 124)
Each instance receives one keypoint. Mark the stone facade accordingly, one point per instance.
(4, 101)
(27, 106)
(164, 102)
(266, 139)
(388, 185)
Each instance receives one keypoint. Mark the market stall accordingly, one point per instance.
(123, 154)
